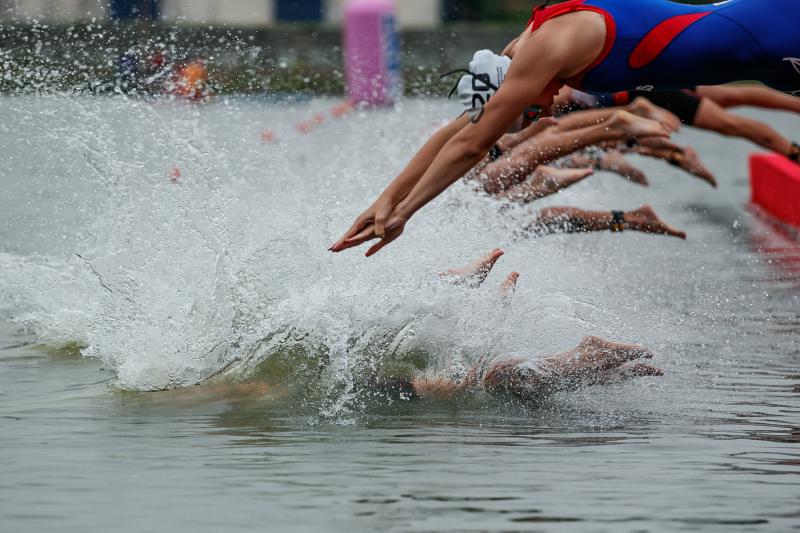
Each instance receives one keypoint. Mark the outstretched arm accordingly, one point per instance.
(560, 49)
(594, 361)
(543, 182)
(575, 220)
(553, 144)
(405, 181)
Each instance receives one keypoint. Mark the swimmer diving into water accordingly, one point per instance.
(517, 168)
(598, 46)
(707, 108)
(704, 107)
(526, 377)
(529, 378)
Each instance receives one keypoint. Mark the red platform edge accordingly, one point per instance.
(775, 186)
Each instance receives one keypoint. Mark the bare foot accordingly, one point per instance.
(475, 273)
(645, 108)
(509, 284)
(690, 162)
(636, 126)
(645, 219)
(615, 162)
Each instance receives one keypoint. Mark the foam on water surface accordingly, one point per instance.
(168, 278)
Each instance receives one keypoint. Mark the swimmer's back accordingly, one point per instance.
(659, 44)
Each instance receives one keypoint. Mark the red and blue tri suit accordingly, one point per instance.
(659, 44)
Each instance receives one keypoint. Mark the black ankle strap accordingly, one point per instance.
(495, 153)
(617, 221)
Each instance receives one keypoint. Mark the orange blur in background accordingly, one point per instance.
(192, 82)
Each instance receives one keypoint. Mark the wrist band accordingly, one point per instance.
(794, 153)
(617, 221)
(495, 153)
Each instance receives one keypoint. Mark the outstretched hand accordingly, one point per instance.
(598, 361)
(475, 274)
(372, 224)
(646, 220)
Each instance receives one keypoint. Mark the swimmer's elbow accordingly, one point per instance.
(474, 147)
(474, 150)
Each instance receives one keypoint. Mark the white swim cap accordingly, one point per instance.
(485, 75)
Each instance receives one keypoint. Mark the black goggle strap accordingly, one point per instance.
(480, 82)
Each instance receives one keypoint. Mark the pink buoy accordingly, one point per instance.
(372, 52)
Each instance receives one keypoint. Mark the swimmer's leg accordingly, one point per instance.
(744, 95)
(551, 145)
(712, 117)
(574, 220)
(544, 182)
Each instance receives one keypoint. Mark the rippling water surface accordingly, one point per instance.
(145, 246)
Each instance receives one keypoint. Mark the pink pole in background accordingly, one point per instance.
(372, 52)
